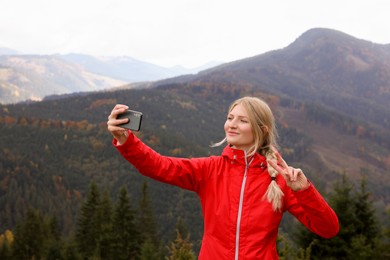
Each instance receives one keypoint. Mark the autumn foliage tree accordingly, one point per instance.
(181, 247)
(6, 241)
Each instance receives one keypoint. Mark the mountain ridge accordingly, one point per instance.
(32, 77)
(318, 66)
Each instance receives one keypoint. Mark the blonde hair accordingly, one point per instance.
(265, 134)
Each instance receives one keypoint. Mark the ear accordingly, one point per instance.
(264, 129)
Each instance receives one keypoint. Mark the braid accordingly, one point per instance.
(273, 194)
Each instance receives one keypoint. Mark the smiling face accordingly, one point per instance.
(238, 128)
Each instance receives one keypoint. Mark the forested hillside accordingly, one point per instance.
(52, 150)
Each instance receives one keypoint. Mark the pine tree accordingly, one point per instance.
(343, 203)
(148, 251)
(5, 250)
(106, 238)
(366, 240)
(387, 230)
(181, 227)
(181, 248)
(359, 236)
(53, 236)
(367, 224)
(29, 237)
(89, 225)
(386, 244)
(34, 236)
(70, 250)
(146, 217)
(126, 240)
(288, 250)
(54, 252)
(283, 246)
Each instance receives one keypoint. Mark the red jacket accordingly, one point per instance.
(231, 194)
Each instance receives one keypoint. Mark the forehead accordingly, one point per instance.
(239, 110)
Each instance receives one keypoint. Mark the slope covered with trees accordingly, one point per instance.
(52, 150)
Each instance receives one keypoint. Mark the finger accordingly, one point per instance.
(281, 171)
(114, 124)
(294, 174)
(116, 130)
(118, 109)
(297, 173)
(120, 106)
(282, 161)
(286, 172)
(300, 174)
(277, 167)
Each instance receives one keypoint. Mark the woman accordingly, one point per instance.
(243, 192)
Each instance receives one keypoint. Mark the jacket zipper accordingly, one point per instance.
(240, 207)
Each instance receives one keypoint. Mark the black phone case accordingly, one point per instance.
(135, 119)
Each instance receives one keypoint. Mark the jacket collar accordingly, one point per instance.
(238, 156)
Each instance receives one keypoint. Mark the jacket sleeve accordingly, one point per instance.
(310, 208)
(181, 172)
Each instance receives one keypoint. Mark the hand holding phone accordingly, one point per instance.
(135, 119)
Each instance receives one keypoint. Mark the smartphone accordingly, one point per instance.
(135, 119)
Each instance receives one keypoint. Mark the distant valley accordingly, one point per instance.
(32, 77)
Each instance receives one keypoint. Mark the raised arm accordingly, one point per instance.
(303, 201)
(182, 172)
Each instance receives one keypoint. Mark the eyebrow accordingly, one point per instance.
(239, 116)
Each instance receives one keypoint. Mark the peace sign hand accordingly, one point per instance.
(295, 178)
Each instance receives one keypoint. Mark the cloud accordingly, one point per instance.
(186, 32)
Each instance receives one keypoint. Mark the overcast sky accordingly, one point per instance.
(181, 32)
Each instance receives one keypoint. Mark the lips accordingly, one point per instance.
(232, 133)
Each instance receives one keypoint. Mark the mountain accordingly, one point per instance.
(7, 51)
(32, 77)
(328, 90)
(322, 64)
(329, 85)
(129, 69)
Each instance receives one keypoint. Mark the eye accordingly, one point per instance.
(244, 121)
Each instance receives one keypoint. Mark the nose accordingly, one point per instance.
(233, 124)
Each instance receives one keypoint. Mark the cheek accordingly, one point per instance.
(226, 126)
(248, 131)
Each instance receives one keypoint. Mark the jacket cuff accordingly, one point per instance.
(129, 141)
(308, 194)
